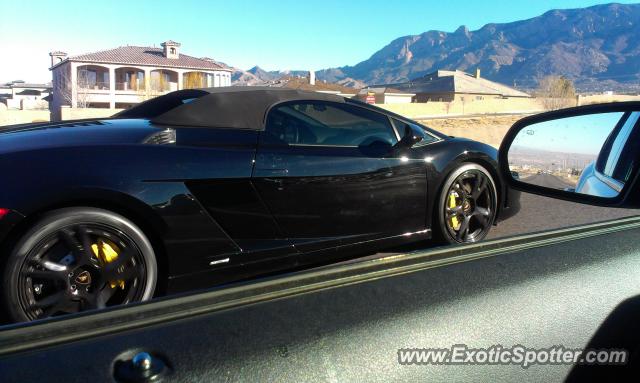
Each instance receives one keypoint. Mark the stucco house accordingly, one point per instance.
(456, 85)
(124, 76)
(22, 95)
(385, 95)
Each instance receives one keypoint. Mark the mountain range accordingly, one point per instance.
(258, 76)
(598, 47)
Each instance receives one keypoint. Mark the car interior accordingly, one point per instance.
(316, 124)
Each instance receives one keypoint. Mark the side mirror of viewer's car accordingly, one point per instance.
(587, 154)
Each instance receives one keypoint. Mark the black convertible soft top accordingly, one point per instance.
(225, 107)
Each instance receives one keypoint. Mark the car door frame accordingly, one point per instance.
(274, 170)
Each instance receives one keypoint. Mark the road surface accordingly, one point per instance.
(543, 213)
(548, 181)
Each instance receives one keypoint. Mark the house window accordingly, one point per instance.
(172, 51)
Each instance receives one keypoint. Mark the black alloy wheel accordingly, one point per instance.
(468, 205)
(78, 259)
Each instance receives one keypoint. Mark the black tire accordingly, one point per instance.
(477, 210)
(76, 259)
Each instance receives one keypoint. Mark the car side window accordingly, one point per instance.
(619, 160)
(330, 124)
(417, 130)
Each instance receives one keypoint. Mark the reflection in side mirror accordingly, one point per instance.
(593, 154)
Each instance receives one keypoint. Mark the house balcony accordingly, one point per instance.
(129, 87)
(96, 86)
(109, 86)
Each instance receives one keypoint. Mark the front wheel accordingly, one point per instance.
(76, 259)
(467, 205)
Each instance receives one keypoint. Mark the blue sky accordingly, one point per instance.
(286, 34)
(580, 134)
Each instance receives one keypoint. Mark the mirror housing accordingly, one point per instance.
(409, 138)
(627, 195)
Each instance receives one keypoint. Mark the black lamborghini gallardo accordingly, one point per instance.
(201, 187)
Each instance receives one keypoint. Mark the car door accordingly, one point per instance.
(329, 175)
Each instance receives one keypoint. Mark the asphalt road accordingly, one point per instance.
(543, 213)
(548, 181)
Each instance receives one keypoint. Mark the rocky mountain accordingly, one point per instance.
(244, 78)
(258, 76)
(351, 83)
(598, 47)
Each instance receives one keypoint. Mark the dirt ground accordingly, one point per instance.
(487, 129)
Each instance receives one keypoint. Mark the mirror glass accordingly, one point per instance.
(591, 154)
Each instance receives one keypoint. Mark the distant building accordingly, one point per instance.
(385, 95)
(23, 95)
(124, 76)
(447, 86)
(305, 83)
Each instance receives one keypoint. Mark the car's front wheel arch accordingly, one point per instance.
(136, 211)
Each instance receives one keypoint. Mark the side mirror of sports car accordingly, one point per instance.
(588, 154)
(409, 138)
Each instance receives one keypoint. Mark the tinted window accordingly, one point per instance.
(320, 123)
(401, 126)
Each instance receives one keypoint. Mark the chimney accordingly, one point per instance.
(57, 57)
(171, 49)
(312, 78)
(477, 72)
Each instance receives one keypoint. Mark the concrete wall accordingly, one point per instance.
(471, 107)
(13, 116)
(27, 103)
(435, 97)
(489, 129)
(603, 98)
(78, 113)
(397, 99)
(16, 116)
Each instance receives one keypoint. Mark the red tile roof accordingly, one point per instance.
(146, 56)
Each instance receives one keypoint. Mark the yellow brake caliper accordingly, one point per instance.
(107, 253)
(455, 223)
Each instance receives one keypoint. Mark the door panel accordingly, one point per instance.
(236, 206)
(328, 195)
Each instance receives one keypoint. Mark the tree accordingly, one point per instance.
(556, 92)
(155, 86)
(194, 80)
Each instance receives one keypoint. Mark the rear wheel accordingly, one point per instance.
(467, 205)
(77, 259)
